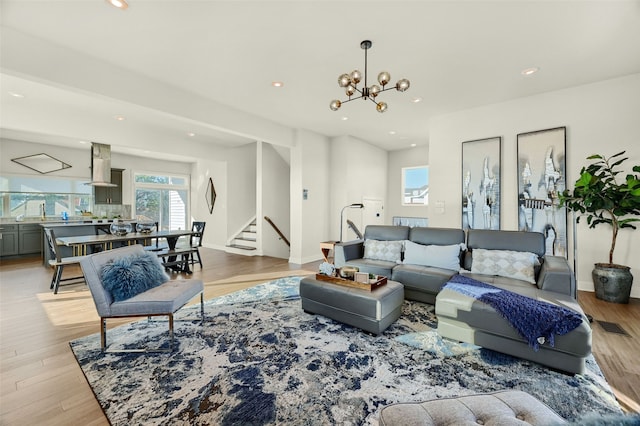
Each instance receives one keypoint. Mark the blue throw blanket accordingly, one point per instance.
(532, 318)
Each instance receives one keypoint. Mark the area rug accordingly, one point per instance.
(260, 360)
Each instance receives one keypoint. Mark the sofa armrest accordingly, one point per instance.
(346, 251)
(556, 275)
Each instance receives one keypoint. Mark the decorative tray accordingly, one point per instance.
(380, 280)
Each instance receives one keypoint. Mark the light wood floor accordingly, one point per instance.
(41, 383)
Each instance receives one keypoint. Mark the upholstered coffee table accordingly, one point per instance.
(372, 311)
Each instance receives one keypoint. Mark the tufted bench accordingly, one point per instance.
(503, 408)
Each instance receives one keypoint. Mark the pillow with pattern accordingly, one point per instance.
(383, 250)
(505, 263)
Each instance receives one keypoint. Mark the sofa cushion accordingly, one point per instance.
(505, 263)
(391, 251)
(447, 257)
(126, 277)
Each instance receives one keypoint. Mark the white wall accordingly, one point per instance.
(600, 118)
(412, 157)
(241, 187)
(215, 231)
(358, 171)
(275, 195)
(310, 218)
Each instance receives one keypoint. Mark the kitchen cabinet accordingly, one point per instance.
(29, 238)
(110, 194)
(8, 240)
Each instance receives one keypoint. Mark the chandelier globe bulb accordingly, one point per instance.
(335, 105)
(350, 90)
(402, 85)
(344, 80)
(384, 78)
(374, 90)
(381, 106)
(356, 76)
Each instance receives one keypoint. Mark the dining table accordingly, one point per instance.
(80, 244)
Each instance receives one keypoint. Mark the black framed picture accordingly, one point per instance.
(541, 178)
(481, 167)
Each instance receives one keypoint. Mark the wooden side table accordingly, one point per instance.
(326, 247)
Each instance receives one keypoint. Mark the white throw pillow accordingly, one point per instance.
(383, 250)
(447, 257)
(505, 263)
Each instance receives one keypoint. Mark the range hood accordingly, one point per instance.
(101, 165)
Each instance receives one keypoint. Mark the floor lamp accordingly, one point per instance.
(350, 206)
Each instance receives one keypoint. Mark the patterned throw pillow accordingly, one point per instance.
(383, 250)
(447, 257)
(505, 263)
(128, 276)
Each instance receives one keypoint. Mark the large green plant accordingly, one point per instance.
(604, 199)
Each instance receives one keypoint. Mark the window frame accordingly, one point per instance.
(403, 188)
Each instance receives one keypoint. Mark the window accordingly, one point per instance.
(26, 195)
(415, 186)
(163, 199)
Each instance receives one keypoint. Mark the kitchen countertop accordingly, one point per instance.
(60, 222)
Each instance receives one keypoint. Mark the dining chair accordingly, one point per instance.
(196, 241)
(57, 262)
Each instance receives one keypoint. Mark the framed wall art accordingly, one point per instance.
(541, 177)
(481, 183)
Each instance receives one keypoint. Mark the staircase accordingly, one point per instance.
(245, 240)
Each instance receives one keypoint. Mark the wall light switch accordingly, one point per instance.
(440, 207)
(305, 194)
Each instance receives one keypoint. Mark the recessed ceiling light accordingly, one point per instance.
(16, 95)
(277, 83)
(392, 132)
(344, 118)
(83, 142)
(530, 71)
(119, 117)
(120, 4)
(413, 145)
(416, 100)
(191, 134)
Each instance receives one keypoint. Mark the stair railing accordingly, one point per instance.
(278, 231)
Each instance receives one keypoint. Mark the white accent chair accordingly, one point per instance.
(162, 300)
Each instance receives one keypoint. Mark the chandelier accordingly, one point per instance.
(350, 83)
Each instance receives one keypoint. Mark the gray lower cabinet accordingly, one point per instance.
(20, 239)
(30, 238)
(9, 240)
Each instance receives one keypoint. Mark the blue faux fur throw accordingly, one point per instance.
(532, 318)
(128, 276)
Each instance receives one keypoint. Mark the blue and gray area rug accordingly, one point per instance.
(260, 360)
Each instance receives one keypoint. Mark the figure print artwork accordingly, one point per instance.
(541, 177)
(481, 183)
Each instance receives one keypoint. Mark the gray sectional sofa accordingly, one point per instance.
(461, 317)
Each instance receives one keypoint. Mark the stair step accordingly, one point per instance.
(242, 247)
(251, 236)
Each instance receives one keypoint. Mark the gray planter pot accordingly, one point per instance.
(612, 282)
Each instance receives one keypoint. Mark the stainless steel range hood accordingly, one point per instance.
(101, 165)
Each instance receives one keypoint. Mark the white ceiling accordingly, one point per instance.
(457, 54)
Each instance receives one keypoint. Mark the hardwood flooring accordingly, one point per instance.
(41, 383)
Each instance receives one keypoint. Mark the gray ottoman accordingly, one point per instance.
(372, 311)
(500, 408)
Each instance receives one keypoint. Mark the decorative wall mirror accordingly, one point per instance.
(41, 163)
(210, 195)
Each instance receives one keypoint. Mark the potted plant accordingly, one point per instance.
(605, 198)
